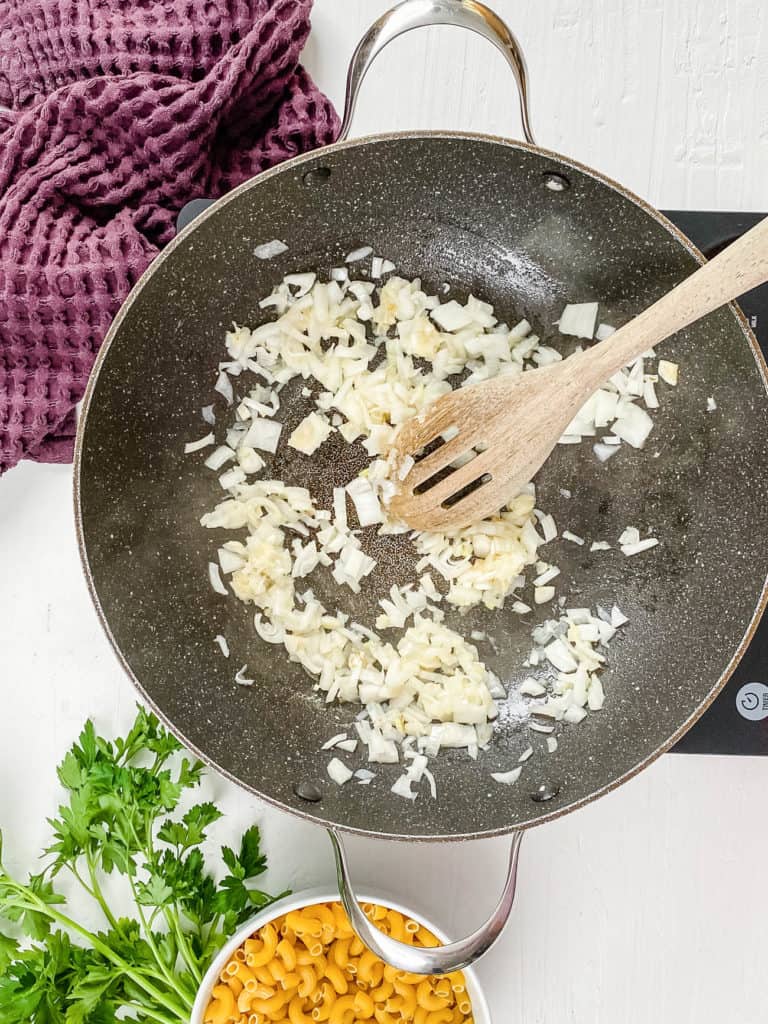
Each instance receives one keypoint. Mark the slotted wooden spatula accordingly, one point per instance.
(509, 425)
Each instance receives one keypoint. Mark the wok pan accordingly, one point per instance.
(528, 230)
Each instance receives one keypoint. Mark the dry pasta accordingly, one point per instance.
(308, 967)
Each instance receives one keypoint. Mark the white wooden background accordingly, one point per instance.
(651, 905)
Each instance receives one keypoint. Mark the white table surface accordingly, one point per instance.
(652, 904)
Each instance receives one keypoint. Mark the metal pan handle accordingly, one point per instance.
(415, 959)
(469, 14)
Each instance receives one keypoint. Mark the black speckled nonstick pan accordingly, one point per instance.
(527, 230)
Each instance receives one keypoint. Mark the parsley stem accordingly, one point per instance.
(96, 892)
(150, 1014)
(169, 977)
(168, 1000)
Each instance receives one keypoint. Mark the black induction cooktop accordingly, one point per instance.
(737, 721)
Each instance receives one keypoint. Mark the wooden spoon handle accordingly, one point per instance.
(735, 270)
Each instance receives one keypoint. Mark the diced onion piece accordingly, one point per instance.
(208, 414)
(195, 446)
(301, 282)
(402, 787)
(233, 476)
(350, 746)
(649, 395)
(263, 434)
(543, 594)
(338, 771)
(537, 726)
(249, 459)
(242, 679)
(366, 503)
(224, 386)
(528, 752)
(618, 618)
(334, 740)
(451, 316)
(572, 537)
(358, 254)
(230, 561)
(604, 331)
(633, 425)
(310, 434)
(219, 456)
(549, 574)
(223, 645)
(268, 250)
(551, 744)
(215, 579)
(639, 547)
(574, 715)
(604, 451)
(599, 545)
(507, 778)
(711, 404)
(520, 607)
(548, 527)
(531, 687)
(631, 535)
(578, 319)
(669, 372)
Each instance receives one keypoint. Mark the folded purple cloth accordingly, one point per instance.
(119, 113)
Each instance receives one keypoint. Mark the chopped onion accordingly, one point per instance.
(263, 434)
(520, 607)
(224, 386)
(528, 752)
(599, 545)
(230, 561)
(631, 535)
(530, 687)
(268, 250)
(208, 414)
(507, 778)
(195, 446)
(365, 501)
(358, 254)
(233, 476)
(241, 679)
(223, 645)
(551, 744)
(338, 771)
(618, 618)
(219, 456)
(350, 746)
(549, 574)
(604, 331)
(334, 740)
(633, 425)
(310, 434)
(572, 537)
(604, 451)
(711, 405)
(543, 594)
(215, 579)
(402, 787)
(640, 546)
(669, 372)
(578, 319)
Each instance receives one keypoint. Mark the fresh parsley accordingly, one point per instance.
(120, 818)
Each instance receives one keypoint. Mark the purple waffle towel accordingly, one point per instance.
(120, 111)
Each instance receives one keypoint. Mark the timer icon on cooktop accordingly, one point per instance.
(752, 701)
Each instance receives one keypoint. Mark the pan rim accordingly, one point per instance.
(291, 164)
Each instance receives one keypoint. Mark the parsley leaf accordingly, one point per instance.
(119, 816)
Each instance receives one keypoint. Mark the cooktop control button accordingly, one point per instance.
(752, 701)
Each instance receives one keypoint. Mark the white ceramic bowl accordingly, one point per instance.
(308, 898)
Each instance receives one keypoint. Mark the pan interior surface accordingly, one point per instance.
(481, 215)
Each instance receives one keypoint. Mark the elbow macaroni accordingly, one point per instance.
(308, 967)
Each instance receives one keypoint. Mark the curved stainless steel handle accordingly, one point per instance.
(416, 959)
(411, 14)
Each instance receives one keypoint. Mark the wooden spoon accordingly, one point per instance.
(515, 422)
